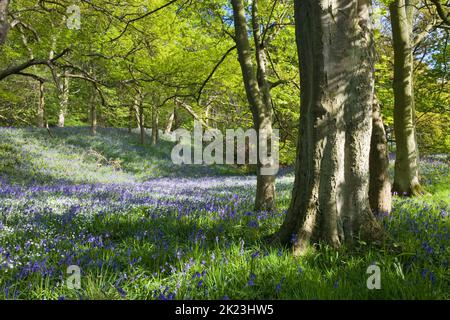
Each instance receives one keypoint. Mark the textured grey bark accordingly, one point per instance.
(330, 198)
(4, 25)
(41, 106)
(258, 93)
(380, 185)
(406, 176)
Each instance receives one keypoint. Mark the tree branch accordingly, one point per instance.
(214, 71)
(192, 112)
(129, 22)
(445, 16)
(33, 62)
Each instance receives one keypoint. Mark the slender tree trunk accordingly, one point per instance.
(258, 94)
(4, 25)
(155, 124)
(208, 114)
(93, 119)
(130, 118)
(41, 106)
(141, 124)
(137, 103)
(406, 176)
(93, 116)
(170, 122)
(40, 87)
(141, 118)
(380, 185)
(265, 184)
(177, 121)
(64, 101)
(330, 198)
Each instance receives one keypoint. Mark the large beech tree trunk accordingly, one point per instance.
(330, 198)
(406, 176)
(379, 186)
(258, 93)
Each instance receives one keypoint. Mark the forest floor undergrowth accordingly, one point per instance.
(140, 227)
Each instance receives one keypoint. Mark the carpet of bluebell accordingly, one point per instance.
(140, 227)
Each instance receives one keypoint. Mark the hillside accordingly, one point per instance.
(72, 155)
(137, 232)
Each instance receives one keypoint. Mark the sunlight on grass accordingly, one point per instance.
(187, 238)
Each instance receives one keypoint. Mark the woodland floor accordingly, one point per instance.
(140, 227)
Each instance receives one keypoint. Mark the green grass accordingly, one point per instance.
(194, 238)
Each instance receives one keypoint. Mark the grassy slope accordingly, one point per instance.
(73, 155)
(185, 238)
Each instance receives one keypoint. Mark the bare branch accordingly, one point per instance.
(214, 71)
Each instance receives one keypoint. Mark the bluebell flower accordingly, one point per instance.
(251, 282)
(253, 224)
(293, 238)
(122, 292)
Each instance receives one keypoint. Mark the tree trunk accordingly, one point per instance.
(64, 101)
(141, 121)
(4, 25)
(258, 94)
(169, 125)
(330, 198)
(155, 124)
(40, 87)
(41, 106)
(141, 124)
(379, 186)
(93, 116)
(208, 114)
(130, 119)
(137, 103)
(406, 176)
